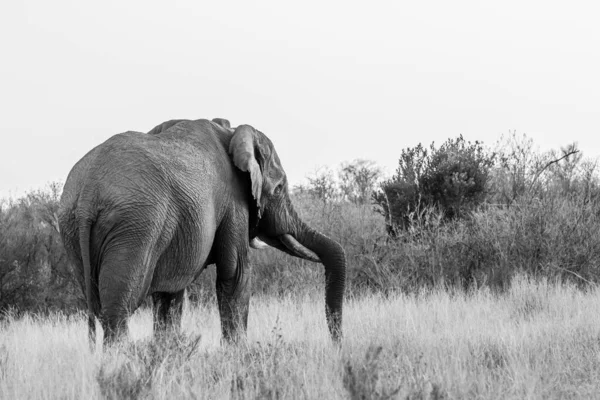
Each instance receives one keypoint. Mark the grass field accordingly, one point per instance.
(538, 340)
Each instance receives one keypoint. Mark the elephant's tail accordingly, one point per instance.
(85, 227)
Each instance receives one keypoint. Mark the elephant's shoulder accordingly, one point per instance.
(179, 126)
(120, 141)
(165, 126)
(199, 133)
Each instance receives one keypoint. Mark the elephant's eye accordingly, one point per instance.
(277, 190)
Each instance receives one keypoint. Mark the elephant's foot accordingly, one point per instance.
(115, 329)
(168, 308)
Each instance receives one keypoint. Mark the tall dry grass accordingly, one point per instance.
(539, 340)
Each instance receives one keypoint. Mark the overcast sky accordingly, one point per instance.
(326, 81)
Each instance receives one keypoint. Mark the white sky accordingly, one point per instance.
(326, 81)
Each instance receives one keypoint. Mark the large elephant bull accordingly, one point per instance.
(146, 213)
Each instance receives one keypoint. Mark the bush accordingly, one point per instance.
(457, 176)
(453, 178)
(34, 273)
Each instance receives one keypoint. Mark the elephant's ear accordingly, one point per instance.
(222, 122)
(242, 149)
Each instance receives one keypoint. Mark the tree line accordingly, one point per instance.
(457, 178)
(455, 214)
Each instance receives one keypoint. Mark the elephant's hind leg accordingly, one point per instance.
(92, 331)
(125, 277)
(115, 327)
(168, 308)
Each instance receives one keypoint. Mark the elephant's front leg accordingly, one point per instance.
(233, 296)
(168, 308)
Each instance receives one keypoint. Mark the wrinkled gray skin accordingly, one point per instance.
(146, 213)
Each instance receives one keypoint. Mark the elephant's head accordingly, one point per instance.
(276, 223)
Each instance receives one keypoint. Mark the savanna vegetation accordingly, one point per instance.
(472, 273)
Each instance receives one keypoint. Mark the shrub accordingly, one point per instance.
(453, 177)
(34, 274)
(457, 176)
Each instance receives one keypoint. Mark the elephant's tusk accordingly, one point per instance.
(258, 244)
(296, 247)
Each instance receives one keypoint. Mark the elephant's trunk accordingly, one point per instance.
(333, 258)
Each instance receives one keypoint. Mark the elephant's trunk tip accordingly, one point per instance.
(333, 257)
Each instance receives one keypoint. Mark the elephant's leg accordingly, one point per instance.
(125, 276)
(92, 331)
(168, 308)
(115, 327)
(233, 296)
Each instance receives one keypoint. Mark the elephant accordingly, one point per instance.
(145, 213)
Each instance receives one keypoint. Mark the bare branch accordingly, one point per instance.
(534, 180)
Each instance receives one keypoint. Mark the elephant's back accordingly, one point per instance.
(100, 179)
(189, 160)
(93, 160)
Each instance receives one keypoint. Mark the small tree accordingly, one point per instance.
(523, 172)
(358, 179)
(399, 197)
(322, 185)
